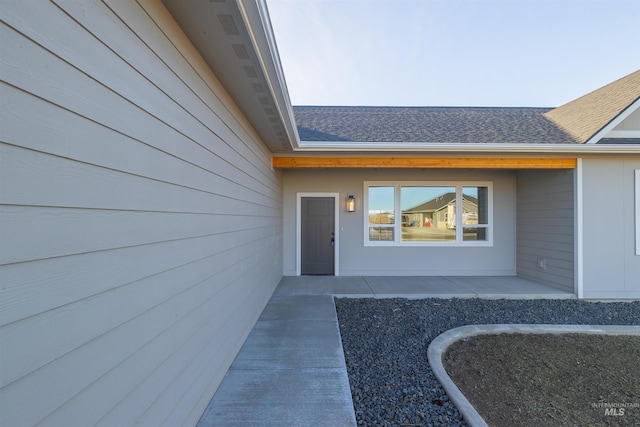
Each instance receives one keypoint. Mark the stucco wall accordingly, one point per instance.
(610, 266)
(356, 259)
(141, 222)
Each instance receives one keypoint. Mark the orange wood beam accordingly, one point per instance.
(426, 163)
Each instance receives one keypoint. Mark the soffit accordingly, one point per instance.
(234, 39)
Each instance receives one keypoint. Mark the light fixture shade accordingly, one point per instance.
(351, 203)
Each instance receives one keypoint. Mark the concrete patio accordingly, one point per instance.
(291, 369)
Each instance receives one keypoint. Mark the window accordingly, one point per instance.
(381, 213)
(417, 213)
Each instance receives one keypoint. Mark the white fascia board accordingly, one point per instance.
(430, 147)
(613, 123)
(256, 18)
(578, 230)
(637, 221)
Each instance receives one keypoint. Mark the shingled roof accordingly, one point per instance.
(439, 202)
(573, 123)
(587, 115)
(428, 124)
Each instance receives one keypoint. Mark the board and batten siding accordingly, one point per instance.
(610, 266)
(141, 222)
(545, 227)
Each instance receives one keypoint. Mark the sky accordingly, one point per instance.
(510, 53)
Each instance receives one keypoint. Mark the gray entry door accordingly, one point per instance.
(317, 235)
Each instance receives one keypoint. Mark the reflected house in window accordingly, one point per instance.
(440, 212)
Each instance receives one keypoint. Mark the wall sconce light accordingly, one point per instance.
(351, 203)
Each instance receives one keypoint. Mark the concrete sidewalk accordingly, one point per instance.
(291, 369)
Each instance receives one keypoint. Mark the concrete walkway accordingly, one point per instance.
(291, 369)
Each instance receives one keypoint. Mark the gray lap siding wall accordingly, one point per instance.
(141, 220)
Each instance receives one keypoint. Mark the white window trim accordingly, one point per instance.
(637, 189)
(397, 226)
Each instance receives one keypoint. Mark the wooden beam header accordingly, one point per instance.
(426, 163)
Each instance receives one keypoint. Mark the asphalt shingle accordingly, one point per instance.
(573, 123)
(428, 124)
(585, 116)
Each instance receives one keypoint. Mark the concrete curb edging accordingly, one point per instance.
(440, 344)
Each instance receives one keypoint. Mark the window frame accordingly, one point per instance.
(397, 226)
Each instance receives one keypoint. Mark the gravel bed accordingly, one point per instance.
(385, 344)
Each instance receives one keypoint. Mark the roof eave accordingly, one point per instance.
(256, 17)
(471, 148)
(236, 41)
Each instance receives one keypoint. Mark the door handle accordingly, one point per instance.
(333, 242)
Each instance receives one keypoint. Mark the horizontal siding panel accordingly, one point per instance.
(181, 60)
(28, 180)
(89, 142)
(125, 340)
(193, 382)
(556, 212)
(56, 232)
(111, 71)
(541, 244)
(131, 43)
(548, 237)
(538, 209)
(540, 221)
(552, 263)
(545, 227)
(57, 387)
(547, 181)
(98, 314)
(34, 287)
(564, 270)
(546, 205)
(545, 200)
(532, 253)
(84, 96)
(554, 274)
(165, 355)
(550, 191)
(144, 219)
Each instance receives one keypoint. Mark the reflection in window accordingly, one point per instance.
(381, 233)
(421, 212)
(381, 213)
(475, 213)
(428, 214)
